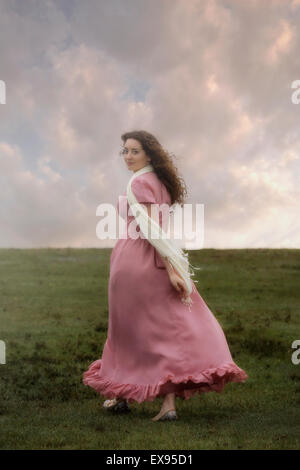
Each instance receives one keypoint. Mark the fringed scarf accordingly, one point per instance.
(158, 237)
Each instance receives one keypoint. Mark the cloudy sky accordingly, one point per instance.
(212, 80)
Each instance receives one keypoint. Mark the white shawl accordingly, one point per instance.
(158, 237)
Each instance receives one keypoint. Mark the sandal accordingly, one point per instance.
(116, 404)
(169, 415)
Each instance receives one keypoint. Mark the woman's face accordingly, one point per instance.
(134, 155)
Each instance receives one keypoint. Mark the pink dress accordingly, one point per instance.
(155, 345)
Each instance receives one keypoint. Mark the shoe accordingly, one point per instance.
(116, 404)
(169, 415)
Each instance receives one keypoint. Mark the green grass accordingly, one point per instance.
(54, 319)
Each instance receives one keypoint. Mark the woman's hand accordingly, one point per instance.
(177, 281)
(179, 284)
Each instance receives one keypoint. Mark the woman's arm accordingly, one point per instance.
(169, 267)
(175, 278)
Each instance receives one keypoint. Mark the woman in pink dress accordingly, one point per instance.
(156, 346)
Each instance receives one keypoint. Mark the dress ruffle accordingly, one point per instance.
(213, 379)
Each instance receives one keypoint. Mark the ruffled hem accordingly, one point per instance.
(213, 379)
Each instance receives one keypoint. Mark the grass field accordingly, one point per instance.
(54, 319)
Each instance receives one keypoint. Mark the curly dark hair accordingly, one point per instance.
(162, 162)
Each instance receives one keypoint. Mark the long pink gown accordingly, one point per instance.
(155, 344)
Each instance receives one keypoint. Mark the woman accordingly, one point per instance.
(156, 346)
